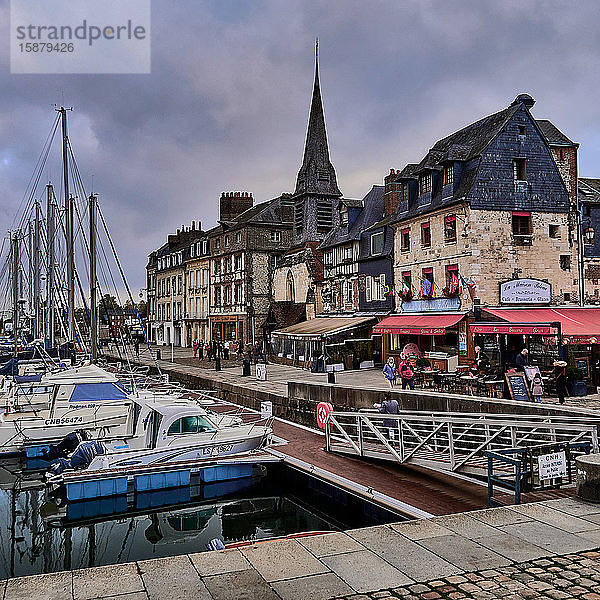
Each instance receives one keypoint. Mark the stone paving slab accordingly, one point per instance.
(420, 529)
(371, 575)
(332, 543)
(496, 517)
(465, 525)
(551, 538)
(466, 554)
(40, 587)
(285, 559)
(172, 578)
(101, 582)
(412, 558)
(314, 587)
(241, 585)
(554, 517)
(219, 562)
(511, 547)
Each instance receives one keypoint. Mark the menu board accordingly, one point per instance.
(531, 372)
(583, 365)
(517, 386)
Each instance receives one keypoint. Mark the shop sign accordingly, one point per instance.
(552, 466)
(462, 343)
(525, 291)
(433, 305)
(515, 329)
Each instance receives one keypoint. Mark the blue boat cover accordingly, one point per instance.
(85, 392)
(28, 378)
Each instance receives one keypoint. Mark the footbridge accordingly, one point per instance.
(451, 442)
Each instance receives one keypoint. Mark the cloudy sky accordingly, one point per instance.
(226, 104)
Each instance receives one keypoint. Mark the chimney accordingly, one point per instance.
(232, 204)
(392, 192)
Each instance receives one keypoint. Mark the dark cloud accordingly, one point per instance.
(226, 104)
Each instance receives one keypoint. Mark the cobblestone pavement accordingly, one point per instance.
(570, 576)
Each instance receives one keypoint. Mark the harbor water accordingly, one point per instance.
(41, 535)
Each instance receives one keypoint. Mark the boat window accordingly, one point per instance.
(191, 424)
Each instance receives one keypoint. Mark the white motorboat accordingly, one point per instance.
(173, 432)
(30, 393)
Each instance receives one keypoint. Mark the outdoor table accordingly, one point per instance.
(468, 380)
(495, 387)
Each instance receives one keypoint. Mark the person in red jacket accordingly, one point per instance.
(407, 375)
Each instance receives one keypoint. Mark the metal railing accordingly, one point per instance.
(450, 442)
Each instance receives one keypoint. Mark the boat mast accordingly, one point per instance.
(15, 290)
(69, 230)
(50, 232)
(37, 331)
(93, 279)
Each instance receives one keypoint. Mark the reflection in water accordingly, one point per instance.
(36, 536)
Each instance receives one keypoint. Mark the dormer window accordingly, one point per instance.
(448, 174)
(425, 183)
(522, 130)
(377, 243)
(343, 217)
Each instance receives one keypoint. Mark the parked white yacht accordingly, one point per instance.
(177, 431)
(30, 394)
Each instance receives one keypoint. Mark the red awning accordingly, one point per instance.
(576, 322)
(418, 324)
(512, 328)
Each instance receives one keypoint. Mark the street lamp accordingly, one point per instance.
(588, 235)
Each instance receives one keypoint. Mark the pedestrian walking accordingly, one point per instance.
(560, 380)
(389, 406)
(136, 345)
(200, 349)
(226, 351)
(407, 374)
(195, 347)
(537, 387)
(390, 372)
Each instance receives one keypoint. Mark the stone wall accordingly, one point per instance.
(486, 253)
(300, 403)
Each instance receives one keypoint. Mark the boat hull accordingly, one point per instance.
(198, 450)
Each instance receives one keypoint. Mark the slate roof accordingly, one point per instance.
(589, 189)
(552, 134)
(470, 141)
(316, 162)
(270, 212)
(373, 206)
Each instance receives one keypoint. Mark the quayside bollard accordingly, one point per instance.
(588, 477)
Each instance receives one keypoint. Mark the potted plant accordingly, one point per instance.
(423, 363)
(576, 382)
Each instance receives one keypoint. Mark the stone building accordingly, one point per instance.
(167, 269)
(151, 306)
(589, 203)
(485, 219)
(197, 279)
(244, 249)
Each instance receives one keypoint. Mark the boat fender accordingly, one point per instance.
(215, 544)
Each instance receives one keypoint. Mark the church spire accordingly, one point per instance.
(316, 175)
